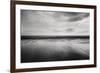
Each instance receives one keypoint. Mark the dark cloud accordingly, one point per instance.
(70, 30)
(78, 17)
(70, 16)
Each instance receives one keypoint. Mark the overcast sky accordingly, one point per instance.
(54, 23)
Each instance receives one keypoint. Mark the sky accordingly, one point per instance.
(53, 23)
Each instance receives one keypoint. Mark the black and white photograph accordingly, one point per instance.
(54, 36)
(51, 36)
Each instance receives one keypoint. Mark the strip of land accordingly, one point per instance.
(53, 37)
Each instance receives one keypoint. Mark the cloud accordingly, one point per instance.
(78, 17)
(54, 23)
(70, 30)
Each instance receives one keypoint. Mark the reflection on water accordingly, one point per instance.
(41, 50)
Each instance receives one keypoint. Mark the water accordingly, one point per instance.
(43, 50)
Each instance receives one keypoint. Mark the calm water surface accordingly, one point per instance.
(43, 50)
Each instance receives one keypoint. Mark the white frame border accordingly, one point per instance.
(53, 64)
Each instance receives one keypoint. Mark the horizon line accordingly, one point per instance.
(53, 37)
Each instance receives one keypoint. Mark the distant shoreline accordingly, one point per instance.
(53, 37)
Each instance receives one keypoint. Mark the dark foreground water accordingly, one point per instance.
(43, 50)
